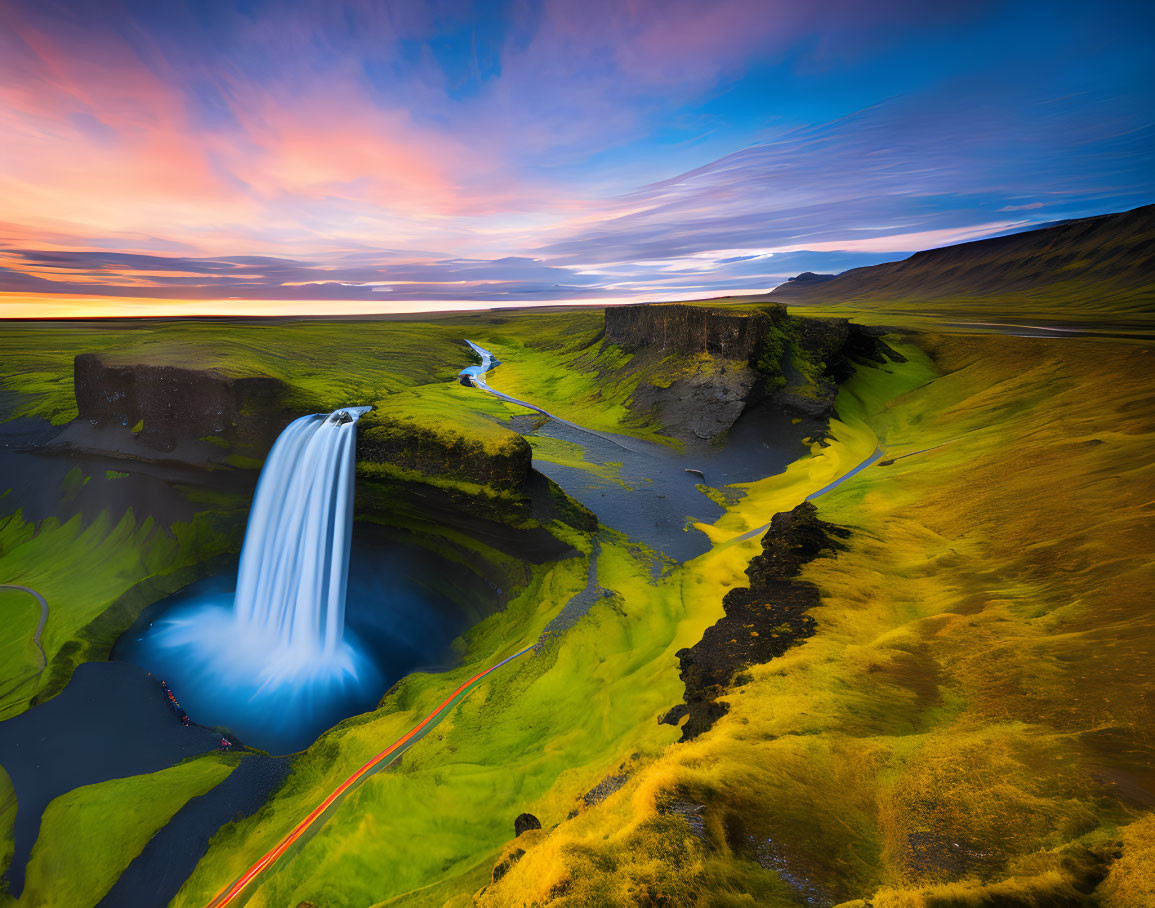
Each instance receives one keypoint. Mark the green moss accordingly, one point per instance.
(568, 454)
(74, 480)
(19, 658)
(779, 345)
(243, 462)
(90, 835)
(84, 569)
(115, 474)
(722, 497)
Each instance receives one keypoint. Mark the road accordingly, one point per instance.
(758, 531)
(322, 811)
(43, 617)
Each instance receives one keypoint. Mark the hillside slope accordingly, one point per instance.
(1098, 264)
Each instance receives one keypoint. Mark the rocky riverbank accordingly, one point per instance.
(761, 621)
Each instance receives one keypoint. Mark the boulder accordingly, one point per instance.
(524, 823)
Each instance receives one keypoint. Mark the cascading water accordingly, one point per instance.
(295, 560)
(274, 662)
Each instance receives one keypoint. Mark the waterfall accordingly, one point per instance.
(274, 662)
(295, 558)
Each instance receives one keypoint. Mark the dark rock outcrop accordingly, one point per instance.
(524, 823)
(723, 351)
(676, 328)
(604, 789)
(446, 455)
(761, 621)
(502, 867)
(735, 358)
(174, 406)
(702, 405)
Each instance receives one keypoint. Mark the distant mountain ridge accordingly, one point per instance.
(1107, 259)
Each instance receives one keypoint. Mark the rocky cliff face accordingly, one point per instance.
(452, 456)
(173, 405)
(761, 621)
(676, 328)
(734, 359)
(425, 478)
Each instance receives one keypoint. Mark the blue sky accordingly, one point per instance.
(361, 157)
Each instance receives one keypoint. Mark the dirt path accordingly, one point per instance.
(476, 375)
(43, 617)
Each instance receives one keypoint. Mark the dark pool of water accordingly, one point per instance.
(656, 500)
(170, 856)
(111, 721)
(405, 606)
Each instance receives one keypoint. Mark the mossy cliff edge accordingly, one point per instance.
(164, 406)
(700, 368)
(969, 722)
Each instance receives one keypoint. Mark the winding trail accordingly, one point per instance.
(326, 808)
(473, 375)
(830, 487)
(43, 617)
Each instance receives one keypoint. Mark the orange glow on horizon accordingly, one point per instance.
(54, 306)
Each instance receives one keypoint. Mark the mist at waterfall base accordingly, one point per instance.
(275, 662)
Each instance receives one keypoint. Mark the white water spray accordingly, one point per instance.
(275, 663)
(295, 559)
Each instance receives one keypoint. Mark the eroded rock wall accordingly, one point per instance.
(735, 359)
(762, 620)
(173, 405)
(676, 328)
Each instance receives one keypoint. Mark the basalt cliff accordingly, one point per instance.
(706, 366)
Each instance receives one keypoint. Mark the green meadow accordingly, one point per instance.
(968, 726)
(91, 834)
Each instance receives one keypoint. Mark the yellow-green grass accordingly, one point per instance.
(335, 363)
(91, 834)
(84, 569)
(568, 454)
(19, 657)
(326, 364)
(917, 313)
(971, 724)
(934, 596)
(557, 361)
(533, 738)
(451, 407)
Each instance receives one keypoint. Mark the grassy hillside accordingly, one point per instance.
(1099, 269)
(328, 364)
(971, 723)
(536, 737)
(90, 835)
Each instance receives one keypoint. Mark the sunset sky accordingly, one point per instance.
(329, 157)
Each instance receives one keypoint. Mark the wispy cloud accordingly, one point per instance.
(361, 151)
